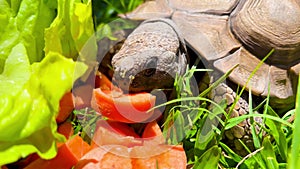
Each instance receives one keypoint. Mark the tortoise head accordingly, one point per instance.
(147, 69)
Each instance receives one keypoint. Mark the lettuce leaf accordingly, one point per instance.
(30, 97)
(24, 21)
(71, 29)
(33, 80)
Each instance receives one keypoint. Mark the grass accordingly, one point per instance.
(272, 149)
(294, 160)
(278, 147)
(191, 122)
(106, 11)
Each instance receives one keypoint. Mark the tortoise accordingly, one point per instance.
(224, 33)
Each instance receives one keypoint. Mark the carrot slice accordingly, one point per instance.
(67, 156)
(110, 101)
(77, 147)
(114, 133)
(115, 156)
(66, 106)
(152, 129)
(101, 81)
(22, 163)
(152, 134)
(173, 157)
(117, 127)
(128, 108)
(83, 96)
(66, 129)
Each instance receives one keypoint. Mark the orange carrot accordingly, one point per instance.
(114, 133)
(172, 157)
(82, 96)
(121, 157)
(152, 134)
(66, 107)
(152, 129)
(109, 157)
(66, 129)
(67, 156)
(128, 108)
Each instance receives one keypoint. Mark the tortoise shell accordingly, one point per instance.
(226, 33)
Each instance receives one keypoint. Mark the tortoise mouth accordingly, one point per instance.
(265, 25)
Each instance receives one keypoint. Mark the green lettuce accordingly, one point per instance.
(24, 21)
(70, 33)
(29, 98)
(37, 68)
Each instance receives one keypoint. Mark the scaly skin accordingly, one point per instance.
(150, 57)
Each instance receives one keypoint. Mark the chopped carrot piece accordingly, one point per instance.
(152, 134)
(128, 108)
(67, 156)
(172, 157)
(66, 106)
(121, 157)
(117, 133)
(152, 129)
(115, 156)
(102, 82)
(83, 96)
(66, 129)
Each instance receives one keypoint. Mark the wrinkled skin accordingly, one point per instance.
(150, 57)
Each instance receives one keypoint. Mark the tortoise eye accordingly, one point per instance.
(150, 67)
(149, 72)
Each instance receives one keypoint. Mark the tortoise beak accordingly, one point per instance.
(122, 82)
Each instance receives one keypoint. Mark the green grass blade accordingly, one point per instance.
(216, 83)
(294, 161)
(256, 140)
(277, 133)
(288, 114)
(230, 152)
(268, 154)
(204, 140)
(122, 2)
(236, 120)
(188, 99)
(256, 156)
(112, 6)
(252, 160)
(209, 159)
